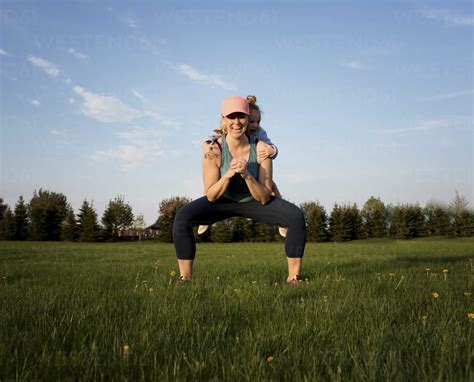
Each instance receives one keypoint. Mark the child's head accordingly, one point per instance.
(255, 114)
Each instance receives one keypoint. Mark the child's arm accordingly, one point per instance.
(209, 148)
(268, 150)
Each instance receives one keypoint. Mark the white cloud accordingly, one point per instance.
(77, 54)
(140, 135)
(47, 66)
(58, 132)
(447, 16)
(444, 96)
(3, 53)
(142, 146)
(427, 125)
(150, 112)
(35, 102)
(130, 21)
(106, 108)
(209, 79)
(138, 95)
(354, 64)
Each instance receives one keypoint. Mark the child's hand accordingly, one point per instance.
(265, 151)
(210, 150)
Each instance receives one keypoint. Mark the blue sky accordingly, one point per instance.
(100, 99)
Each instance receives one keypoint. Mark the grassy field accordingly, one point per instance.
(370, 310)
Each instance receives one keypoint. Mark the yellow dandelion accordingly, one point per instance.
(218, 277)
(435, 295)
(424, 319)
(172, 273)
(269, 359)
(445, 274)
(470, 316)
(126, 350)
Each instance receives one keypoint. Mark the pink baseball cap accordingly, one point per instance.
(234, 104)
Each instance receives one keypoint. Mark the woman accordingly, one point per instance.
(238, 183)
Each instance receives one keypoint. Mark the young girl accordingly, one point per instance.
(266, 150)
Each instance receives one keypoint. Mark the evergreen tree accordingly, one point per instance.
(47, 211)
(374, 217)
(345, 223)
(316, 220)
(242, 229)
(88, 226)
(7, 224)
(407, 221)
(5, 221)
(70, 229)
(21, 220)
(339, 229)
(436, 219)
(118, 215)
(355, 221)
(167, 211)
(222, 232)
(462, 217)
(263, 232)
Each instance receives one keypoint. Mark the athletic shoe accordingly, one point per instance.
(282, 231)
(202, 229)
(296, 280)
(181, 280)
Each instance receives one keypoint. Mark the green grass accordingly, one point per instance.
(366, 313)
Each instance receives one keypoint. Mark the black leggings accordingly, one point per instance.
(201, 211)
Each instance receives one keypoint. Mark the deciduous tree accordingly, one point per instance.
(374, 217)
(118, 215)
(462, 217)
(167, 211)
(47, 211)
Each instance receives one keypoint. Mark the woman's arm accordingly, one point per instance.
(260, 188)
(214, 184)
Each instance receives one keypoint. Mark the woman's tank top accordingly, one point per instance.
(238, 190)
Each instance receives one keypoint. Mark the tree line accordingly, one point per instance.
(49, 216)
